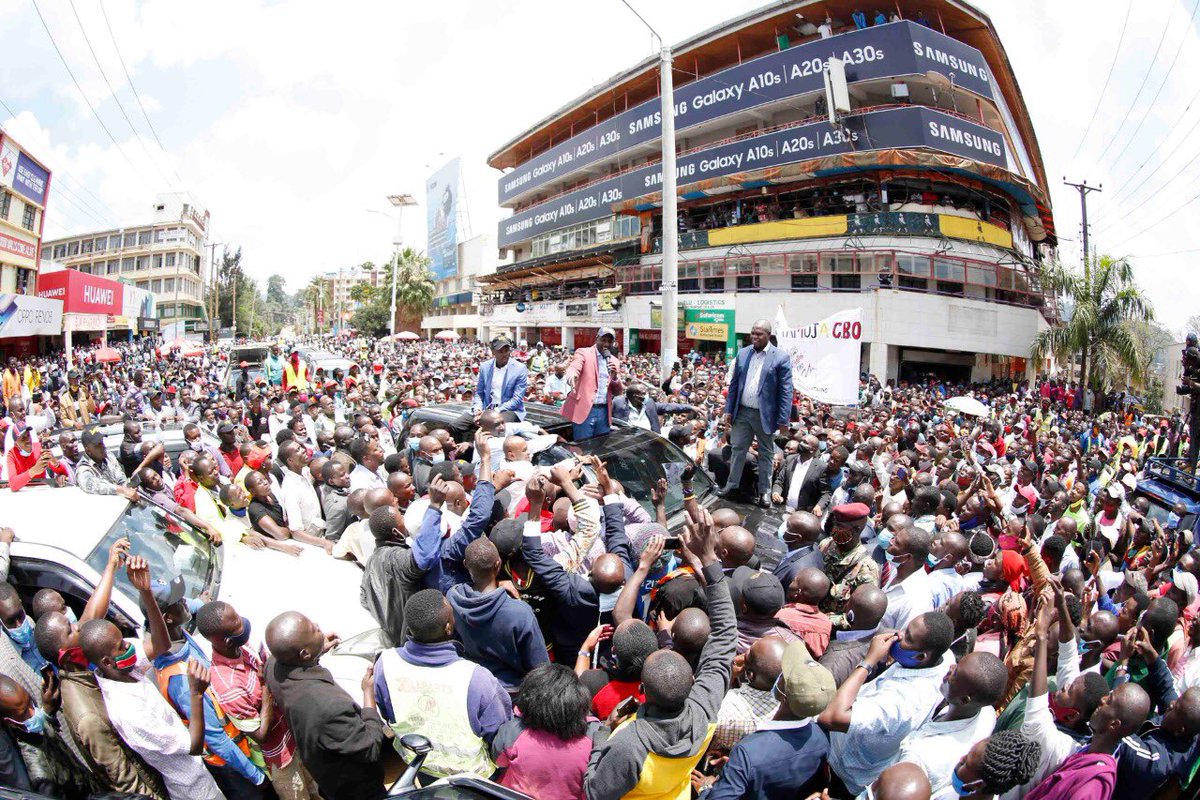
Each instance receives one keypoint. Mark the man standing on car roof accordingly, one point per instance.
(594, 376)
(273, 367)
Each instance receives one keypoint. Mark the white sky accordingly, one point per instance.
(290, 119)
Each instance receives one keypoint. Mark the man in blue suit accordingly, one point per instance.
(638, 409)
(501, 387)
(759, 402)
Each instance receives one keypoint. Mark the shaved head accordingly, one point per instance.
(294, 639)
(868, 604)
(667, 680)
(764, 661)
(736, 546)
(690, 631)
(903, 781)
(810, 587)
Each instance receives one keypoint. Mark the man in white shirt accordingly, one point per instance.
(971, 688)
(368, 456)
(868, 721)
(301, 505)
(142, 716)
(905, 581)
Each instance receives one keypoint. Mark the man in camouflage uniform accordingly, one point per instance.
(847, 562)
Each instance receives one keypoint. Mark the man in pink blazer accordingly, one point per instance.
(594, 378)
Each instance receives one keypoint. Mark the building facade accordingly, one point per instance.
(24, 187)
(167, 257)
(455, 300)
(924, 203)
(339, 285)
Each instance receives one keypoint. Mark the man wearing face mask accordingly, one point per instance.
(994, 765)
(18, 627)
(144, 719)
(802, 482)
(847, 562)
(236, 683)
(905, 581)
(53, 768)
(191, 434)
(868, 721)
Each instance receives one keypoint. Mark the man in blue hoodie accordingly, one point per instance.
(419, 689)
(497, 630)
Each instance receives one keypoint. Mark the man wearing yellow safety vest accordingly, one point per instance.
(295, 373)
(227, 751)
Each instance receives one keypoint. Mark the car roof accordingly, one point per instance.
(64, 518)
(539, 414)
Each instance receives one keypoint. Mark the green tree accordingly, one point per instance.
(1101, 304)
(415, 291)
(317, 296)
(362, 293)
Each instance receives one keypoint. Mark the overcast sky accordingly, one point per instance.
(290, 120)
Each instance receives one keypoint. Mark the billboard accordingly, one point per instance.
(31, 179)
(892, 128)
(825, 356)
(137, 302)
(441, 213)
(882, 51)
(26, 315)
(81, 293)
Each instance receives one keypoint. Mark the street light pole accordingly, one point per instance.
(400, 201)
(669, 347)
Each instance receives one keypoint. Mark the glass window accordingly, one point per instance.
(772, 264)
(73, 248)
(29, 218)
(846, 283)
(908, 264)
(101, 244)
(841, 263)
(114, 241)
(143, 262)
(169, 285)
(158, 261)
(85, 246)
(947, 270)
(802, 263)
(5, 204)
(130, 240)
(128, 264)
(145, 237)
(981, 275)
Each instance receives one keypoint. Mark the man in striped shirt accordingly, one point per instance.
(236, 678)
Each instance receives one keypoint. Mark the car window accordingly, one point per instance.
(638, 459)
(171, 546)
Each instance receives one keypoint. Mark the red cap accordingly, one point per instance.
(851, 512)
(244, 364)
(377, 367)
(257, 456)
(409, 403)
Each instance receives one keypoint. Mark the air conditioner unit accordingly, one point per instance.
(900, 92)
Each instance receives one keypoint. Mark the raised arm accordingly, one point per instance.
(627, 599)
(97, 604)
(716, 659)
(139, 577)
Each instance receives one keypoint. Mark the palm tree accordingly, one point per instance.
(415, 289)
(1101, 303)
(318, 295)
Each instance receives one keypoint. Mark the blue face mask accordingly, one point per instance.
(1084, 646)
(932, 561)
(885, 539)
(437, 458)
(22, 635)
(903, 657)
(414, 442)
(963, 789)
(35, 724)
(240, 640)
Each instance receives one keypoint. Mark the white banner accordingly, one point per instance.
(825, 356)
(28, 315)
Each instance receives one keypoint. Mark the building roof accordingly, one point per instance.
(749, 35)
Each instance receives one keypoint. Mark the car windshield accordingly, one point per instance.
(171, 546)
(638, 459)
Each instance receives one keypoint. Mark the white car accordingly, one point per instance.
(62, 541)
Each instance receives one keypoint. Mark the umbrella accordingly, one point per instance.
(446, 336)
(107, 355)
(406, 336)
(968, 405)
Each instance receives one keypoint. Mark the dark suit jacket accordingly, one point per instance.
(788, 567)
(621, 410)
(774, 387)
(815, 489)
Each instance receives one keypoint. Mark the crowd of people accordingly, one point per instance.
(940, 604)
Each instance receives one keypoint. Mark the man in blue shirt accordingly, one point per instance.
(227, 760)
(783, 755)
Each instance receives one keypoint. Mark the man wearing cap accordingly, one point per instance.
(27, 460)
(847, 562)
(100, 473)
(75, 403)
(759, 402)
(295, 373)
(784, 754)
(229, 449)
(594, 376)
(500, 386)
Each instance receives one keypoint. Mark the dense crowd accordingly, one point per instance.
(907, 599)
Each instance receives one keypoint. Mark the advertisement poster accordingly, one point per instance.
(825, 356)
(8, 163)
(26, 315)
(441, 210)
(30, 179)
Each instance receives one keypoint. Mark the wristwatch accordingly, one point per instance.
(868, 666)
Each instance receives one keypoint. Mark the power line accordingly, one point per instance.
(1146, 111)
(136, 96)
(1146, 77)
(99, 68)
(1100, 98)
(1179, 172)
(83, 94)
(1161, 220)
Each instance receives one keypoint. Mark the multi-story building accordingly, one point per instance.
(24, 183)
(925, 203)
(454, 302)
(339, 283)
(167, 257)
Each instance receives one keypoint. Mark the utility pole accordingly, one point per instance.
(400, 201)
(670, 223)
(1084, 190)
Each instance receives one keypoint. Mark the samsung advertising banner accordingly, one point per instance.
(883, 51)
(907, 127)
(441, 204)
(825, 356)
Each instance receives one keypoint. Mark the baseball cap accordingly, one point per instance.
(166, 593)
(1185, 582)
(600, 334)
(256, 457)
(762, 592)
(225, 427)
(1136, 580)
(803, 684)
(506, 535)
(91, 438)
(501, 342)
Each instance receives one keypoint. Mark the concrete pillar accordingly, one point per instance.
(517, 334)
(879, 361)
(625, 334)
(568, 338)
(485, 333)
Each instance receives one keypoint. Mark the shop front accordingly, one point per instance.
(24, 322)
(88, 303)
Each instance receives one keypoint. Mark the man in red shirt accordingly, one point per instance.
(236, 679)
(27, 461)
(229, 449)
